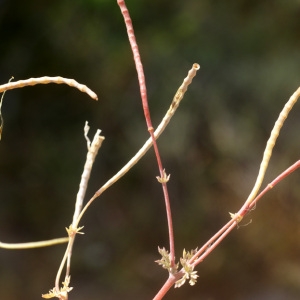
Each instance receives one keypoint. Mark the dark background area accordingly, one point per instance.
(249, 56)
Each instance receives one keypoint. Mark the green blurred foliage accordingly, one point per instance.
(249, 56)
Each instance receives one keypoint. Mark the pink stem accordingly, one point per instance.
(167, 285)
(143, 91)
(213, 242)
(284, 174)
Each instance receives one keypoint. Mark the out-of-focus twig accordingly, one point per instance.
(45, 80)
(270, 145)
(30, 245)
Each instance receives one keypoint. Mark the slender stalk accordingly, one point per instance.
(166, 287)
(163, 179)
(246, 208)
(216, 240)
(45, 80)
(143, 92)
(1, 118)
(92, 148)
(31, 245)
(270, 144)
(62, 264)
(213, 242)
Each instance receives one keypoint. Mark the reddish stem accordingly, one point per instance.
(213, 242)
(143, 91)
(167, 285)
(284, 174)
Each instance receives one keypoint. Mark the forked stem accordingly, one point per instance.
(253, 198)
(270, 145)
(213, 242)
(249, 204)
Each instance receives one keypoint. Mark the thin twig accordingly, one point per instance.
(280, 177)
(62, 264)
(213, 242)
(1, 118)
(270, 144)
(167, 285)
(163, 179)
(45, 80)
(31, 245)
(93, 148)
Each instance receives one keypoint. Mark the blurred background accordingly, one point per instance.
(249, 52)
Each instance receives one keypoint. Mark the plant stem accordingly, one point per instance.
(271, 143)
(45, 80)
(31, 245)
(143, 92)
(167, 285)
(213, 242)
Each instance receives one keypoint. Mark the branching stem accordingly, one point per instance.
(92, 148)
(270, 144)
(249, 204)
(253, 198)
